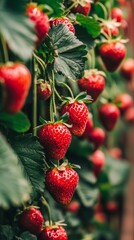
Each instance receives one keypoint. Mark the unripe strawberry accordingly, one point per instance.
(98, 160)
(63, 20)
(53, 233)
(84, 7)
(44, 91)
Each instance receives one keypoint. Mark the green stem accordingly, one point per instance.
(60, 98)
(69, 89)
(34, 98)
(45, 204)
(69, 9)
(53, 93)
(93, 58)
(5, 52)
(40, 61)
(104, 9)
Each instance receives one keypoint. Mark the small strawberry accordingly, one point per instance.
(115, 153)
(17, 81)
(31, 220)
(109, 115)
(44, 90)
(117, 14)
(40, 19)
(89, 127)
(112, 207)
(97, 137)
(113, 31)
(82, 7)
(98, 160)
(112, 54)
(127, 68)
(100, 217)
(61, 182)
(53, 233)
(125, 101)
(63, 20)
(55, 138)
(73, 206)
(129, 115)
(92, 82)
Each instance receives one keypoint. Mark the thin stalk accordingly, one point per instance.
(104, 9)
(68, 10)
(45, 204)
(69, 89)
(5, 52)
(57, 94)
(93, 58)
(34, 98)
(53, 93)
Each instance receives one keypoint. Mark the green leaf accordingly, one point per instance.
(71, 52)
(28, 236)
(32, 159)
(84, 36)
(91, 25)
(56, 6)
(18, 122)
(14, 188)
(6, 232)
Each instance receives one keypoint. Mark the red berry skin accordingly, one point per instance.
(115, 153)
(51, 233)
(61, 184)
(93, 85)
(117, 14)
(112, 54)
(44, 91)
(98, 159)
(109, 115)
(55, 138)
(97, 137)
(88, 129)
(63, 20)
(125, 101)
(100, 217)
(40, 19)
(129, 115)
(31, 220)
(78, 116)
(113, 31)
(73, 207)
(83, 10)
(17, 81)
(112, 207)
(127, 69)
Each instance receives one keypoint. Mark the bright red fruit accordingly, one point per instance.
(129, 115)
(97, 137)
(63, 20)
(55, 138)
(109, 115)
(98, 159)
(89, 127)
(117, 14)
(61, 183)
(40, 19)
(44, 90)
(31, 220)
(53, 233)
(93, 83)
(83, 8)
(113, 31)
(112, 54)
(73, 206)
(78, 116)
(127, 68)
(17, 81)
(125, 101)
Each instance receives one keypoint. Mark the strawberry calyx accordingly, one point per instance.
(81, 97)
(64, 165)
(81, 3)
(112, 40)
(109, 23)
(88, 73)
(55, 225)
(63, 119)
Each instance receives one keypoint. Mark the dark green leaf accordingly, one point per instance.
(28, 236)
(56, 6)
(64, 117)
(6, 232)
(81, 95)
(84, 36)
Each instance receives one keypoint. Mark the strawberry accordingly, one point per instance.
(100, 217)
(83, 7)
(44, 90)
(125, 101)
(113, 31)
(63, 20)
(97, 137)
(92, 82)
(117, 14)
(127, 68)
(31, 220)
(89, 127)
(40, 19)
(129, 115)
(109, 115)
(53, 233)
(115, 153)
(112, 207)
(55, 138)
(61, 183)
(78, 116)
(17, 81)
(74, 207)
(112, 54)
(98, 160)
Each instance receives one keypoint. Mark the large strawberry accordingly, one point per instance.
(65, 21)
(127, 68)
(93, 83)
(31, 220)
(82, 7)
(97, 137)
(117, 14)
(44, 90)
(109, 115)
(98, 160)
(53, 233)
(55, 138)
(40, 19)
(61, 182)
(125, 101)
(112, 54)
(17, 81)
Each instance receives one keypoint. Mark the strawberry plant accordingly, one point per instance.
(63, 103)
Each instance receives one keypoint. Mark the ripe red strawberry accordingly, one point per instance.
(115, 153)
(97, 137)
(55, 138)
(98, 159)
(125, 101)
(112, 54)
(53, 233)
(112, 207)
(113, 31)
(129, 115)
(31, 220)
(78, 116)
(117, 14)
(100, 217)
(17, 81)
(109, 115)
(74, 207)
(84, 8)
(89, 127)
(61, 183)
(127, 68)
(63, 20)
(40, 19)
(93, 83)
(44, 90)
